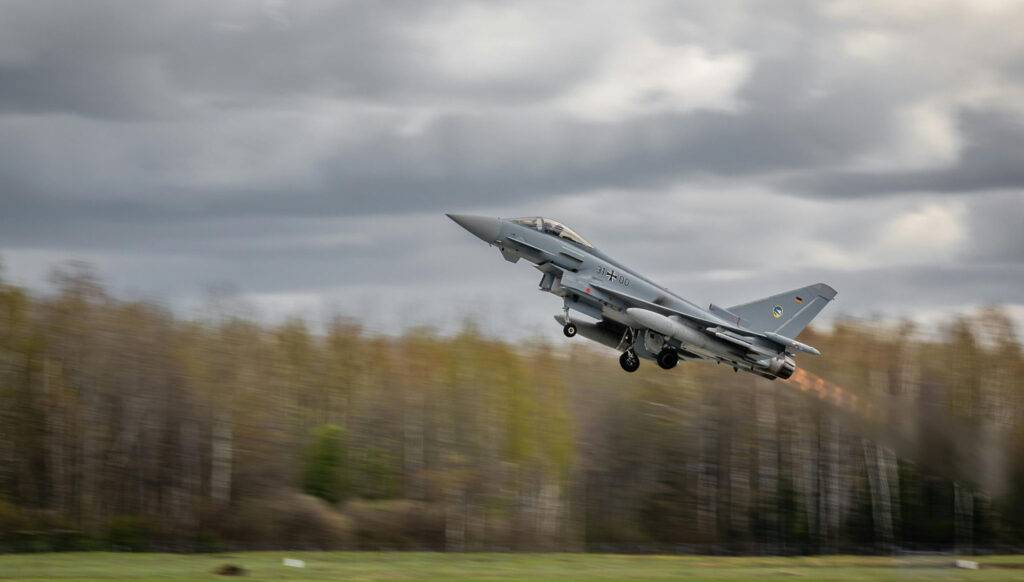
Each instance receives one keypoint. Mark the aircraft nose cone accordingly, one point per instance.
(485, 228)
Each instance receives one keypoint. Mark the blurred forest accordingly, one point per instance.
(123, 426)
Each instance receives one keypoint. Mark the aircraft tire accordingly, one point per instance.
(629, 361)
(668, 359)
(569, 330)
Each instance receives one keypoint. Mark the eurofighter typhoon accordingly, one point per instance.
(643, 320)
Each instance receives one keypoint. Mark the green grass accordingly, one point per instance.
(365, 566)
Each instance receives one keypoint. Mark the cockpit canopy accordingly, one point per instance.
(552, 227)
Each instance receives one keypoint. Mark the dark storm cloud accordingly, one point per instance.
(284, 145)
(471, 159)
(81, 88)
(993, 158)
(119, 59)
(807, 110)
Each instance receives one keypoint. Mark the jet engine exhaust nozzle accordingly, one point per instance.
(782, 367)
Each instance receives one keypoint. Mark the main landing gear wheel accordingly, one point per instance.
(629, 361)
(668, 359)
(569, 330)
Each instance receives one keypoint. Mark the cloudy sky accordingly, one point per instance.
(301, 155)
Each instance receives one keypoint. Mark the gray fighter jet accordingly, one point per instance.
(641, 319)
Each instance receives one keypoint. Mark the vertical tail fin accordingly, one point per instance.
(786, 313)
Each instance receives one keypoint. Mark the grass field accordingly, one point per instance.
(366, 566)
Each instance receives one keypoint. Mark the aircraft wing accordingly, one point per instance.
(663, 310)
(720, 329)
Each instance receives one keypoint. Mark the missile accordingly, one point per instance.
(673, 328)
(780, 365)
(792, 343)
(595, 332)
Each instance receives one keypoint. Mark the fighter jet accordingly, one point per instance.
(643, 320)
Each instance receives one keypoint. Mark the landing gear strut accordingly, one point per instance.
(629, 361)
(668, 359)
(570, 328)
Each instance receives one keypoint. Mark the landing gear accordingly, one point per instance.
(668, 359)
(629, 361)
(570, 329)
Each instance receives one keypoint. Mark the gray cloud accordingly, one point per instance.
(992, 159)
(308, 149)
(997, 233)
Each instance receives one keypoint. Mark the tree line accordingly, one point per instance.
(125, 426)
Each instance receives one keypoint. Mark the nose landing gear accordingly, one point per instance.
(629, 361)
(570, 328)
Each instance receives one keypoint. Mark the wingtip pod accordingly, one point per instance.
(792, 343)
